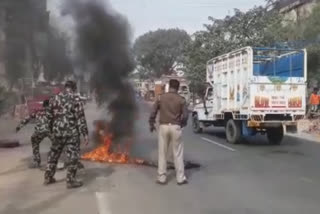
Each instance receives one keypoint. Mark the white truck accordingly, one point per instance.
(254, 90)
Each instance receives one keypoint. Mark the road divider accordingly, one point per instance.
(218, 144)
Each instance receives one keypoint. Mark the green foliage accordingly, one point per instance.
(158, 52)
(257, 27)
(195, 58)
(314, 63)
(312, 25)
(311, 32)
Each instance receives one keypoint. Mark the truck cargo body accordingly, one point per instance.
(260, 89)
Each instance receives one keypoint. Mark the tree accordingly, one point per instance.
(158, 52)
(256, 27)
(194, 62)
(311, 33)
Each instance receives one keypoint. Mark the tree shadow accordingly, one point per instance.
(219, 133)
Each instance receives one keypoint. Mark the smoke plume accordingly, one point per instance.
(103, 48)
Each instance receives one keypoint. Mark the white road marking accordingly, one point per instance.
(218, 144)
(102, 202)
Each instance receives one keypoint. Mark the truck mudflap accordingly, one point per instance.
(271, 124)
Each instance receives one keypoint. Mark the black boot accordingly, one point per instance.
(74, 184)
(49, 181)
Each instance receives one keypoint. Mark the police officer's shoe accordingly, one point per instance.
(184, 182)
(74, 184)
(49, 181)
(34, 165)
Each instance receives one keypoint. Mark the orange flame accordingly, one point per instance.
(104, 152)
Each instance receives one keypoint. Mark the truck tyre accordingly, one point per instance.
(196, 124)
(233, 131)
(275, 135)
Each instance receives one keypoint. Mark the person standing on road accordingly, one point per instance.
(173, 117)
(314, 100)
(69, 122)
(42, 130)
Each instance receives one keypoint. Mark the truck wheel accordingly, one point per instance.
(275, 135)
(196, 124)
(233, 131)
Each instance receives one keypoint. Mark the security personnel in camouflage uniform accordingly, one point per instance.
(41, 131)
(69, 122)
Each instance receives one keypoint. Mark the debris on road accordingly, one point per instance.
(314, 127)
(6, 143)
(187, 165)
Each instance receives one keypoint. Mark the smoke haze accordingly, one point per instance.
(103, 49)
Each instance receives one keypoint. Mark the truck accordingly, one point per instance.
(254, 90)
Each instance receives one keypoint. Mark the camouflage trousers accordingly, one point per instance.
(36, 139)
(72, 145)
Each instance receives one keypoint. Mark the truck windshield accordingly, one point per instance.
(278, 63)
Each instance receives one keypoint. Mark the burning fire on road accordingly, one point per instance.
(110, 152)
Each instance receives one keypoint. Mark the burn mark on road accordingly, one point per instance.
(286, 152)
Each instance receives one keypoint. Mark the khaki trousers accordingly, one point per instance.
(170, 136)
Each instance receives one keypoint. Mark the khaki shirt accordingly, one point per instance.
(173, 110)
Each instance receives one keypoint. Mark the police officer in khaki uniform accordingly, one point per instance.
(173, 117)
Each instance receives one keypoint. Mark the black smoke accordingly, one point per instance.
(103, 48)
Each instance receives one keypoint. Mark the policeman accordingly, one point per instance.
(173, 117)
(69, 122)
(41, 131)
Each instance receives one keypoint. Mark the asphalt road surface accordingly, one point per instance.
(253, 178)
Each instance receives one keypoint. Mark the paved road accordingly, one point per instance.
(254, 178)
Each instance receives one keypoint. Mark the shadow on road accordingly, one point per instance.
(255, 141)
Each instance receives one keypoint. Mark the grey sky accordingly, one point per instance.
(146, 15)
